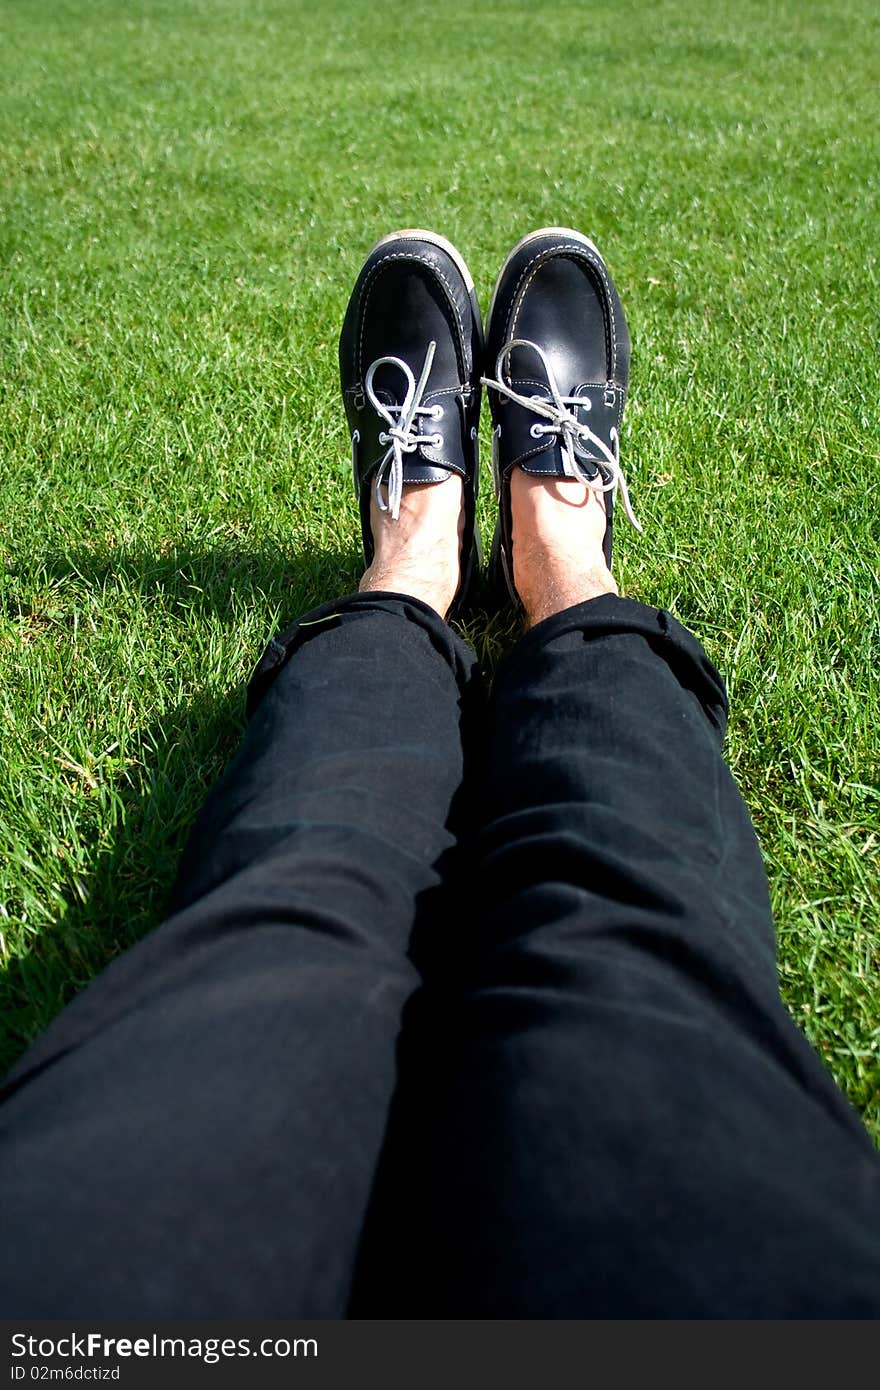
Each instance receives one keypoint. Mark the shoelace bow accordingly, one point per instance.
(572, 433)
(402, 436)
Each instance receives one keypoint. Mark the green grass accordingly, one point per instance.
(188, 189)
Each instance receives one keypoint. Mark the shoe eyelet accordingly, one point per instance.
(436, 412)
(537, 431)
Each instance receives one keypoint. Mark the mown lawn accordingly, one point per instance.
(187, 190)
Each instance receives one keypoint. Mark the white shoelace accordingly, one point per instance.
(572, 433)
(401, 436)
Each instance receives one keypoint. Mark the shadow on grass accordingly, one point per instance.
(126, 887)
(193, 579)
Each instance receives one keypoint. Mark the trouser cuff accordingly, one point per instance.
(341, 610)
(609, 614)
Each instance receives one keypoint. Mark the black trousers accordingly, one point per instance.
(461, 1011)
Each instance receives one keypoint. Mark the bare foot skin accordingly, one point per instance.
(558, 528)
(419, 554)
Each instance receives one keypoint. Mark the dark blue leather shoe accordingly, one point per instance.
(410, 357)
(558, 344)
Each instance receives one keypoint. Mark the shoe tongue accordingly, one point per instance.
(526, 365)
(544, 455)
(390, 384)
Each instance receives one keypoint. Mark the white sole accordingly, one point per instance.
(568, 232)
(436, 240)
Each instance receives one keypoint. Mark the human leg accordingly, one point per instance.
(622, 1119)
(196, 1134)
(649, 1133)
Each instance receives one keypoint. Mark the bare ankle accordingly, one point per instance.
(561, 587)
(419, 554)
(558, 533)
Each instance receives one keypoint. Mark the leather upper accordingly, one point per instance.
(555, 292)
(409, 293)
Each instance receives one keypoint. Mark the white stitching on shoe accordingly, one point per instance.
(362, 299)
(606, 303)
(531, 453)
